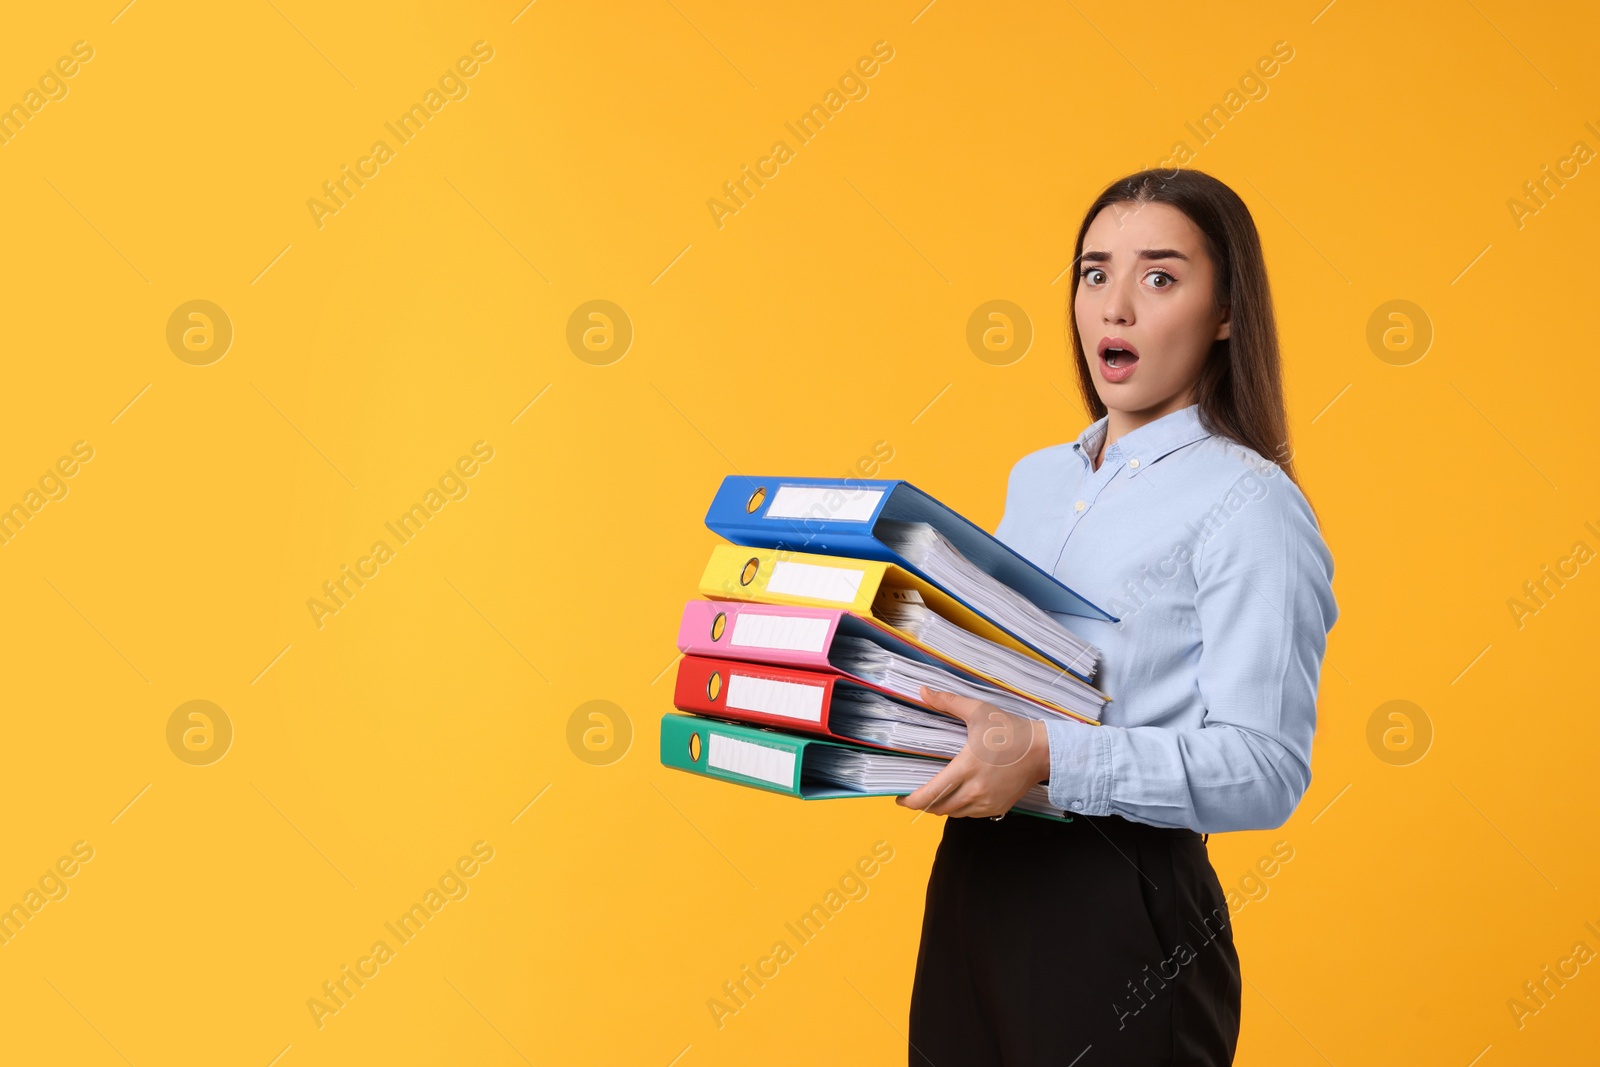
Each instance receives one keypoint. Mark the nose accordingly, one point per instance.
(1117, 310)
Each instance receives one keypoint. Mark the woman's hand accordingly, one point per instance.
(1004, 757)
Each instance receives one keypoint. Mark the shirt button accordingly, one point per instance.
(1079, 506)
(1133, 463)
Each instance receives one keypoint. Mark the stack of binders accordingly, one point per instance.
(837, 600)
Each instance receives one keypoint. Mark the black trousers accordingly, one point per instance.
(1096, 942)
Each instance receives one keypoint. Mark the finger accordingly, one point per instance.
(999, 738)
(926, 794)
(935, 789)
(959, 797)
(962, 707)
(975, 809)
(974, 802)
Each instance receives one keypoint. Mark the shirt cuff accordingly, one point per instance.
(1080, 767)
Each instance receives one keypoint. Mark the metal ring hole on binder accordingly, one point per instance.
(757, 498)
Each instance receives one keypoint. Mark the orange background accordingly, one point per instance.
(828, 314)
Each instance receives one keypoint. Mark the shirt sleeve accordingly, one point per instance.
(1265, 604)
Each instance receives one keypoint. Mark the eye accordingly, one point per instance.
(1162, 274)
(1085, 272)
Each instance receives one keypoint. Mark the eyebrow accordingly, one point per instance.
(1143, 253)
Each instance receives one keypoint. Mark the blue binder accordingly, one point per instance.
(837, 517)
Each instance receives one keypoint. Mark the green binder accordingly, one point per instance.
(772, 760)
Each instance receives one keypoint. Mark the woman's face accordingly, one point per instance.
(1146, 285)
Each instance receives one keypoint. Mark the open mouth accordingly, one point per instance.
(1117, 354)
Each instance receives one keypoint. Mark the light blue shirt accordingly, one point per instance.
(1212, 559)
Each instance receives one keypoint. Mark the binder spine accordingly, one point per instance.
(731, 516)
(742, 755)
(789, 636)
(802, 579)
(768, 696)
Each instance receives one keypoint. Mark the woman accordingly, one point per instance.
(1106, 939)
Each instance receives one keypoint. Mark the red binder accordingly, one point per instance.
(782, 698)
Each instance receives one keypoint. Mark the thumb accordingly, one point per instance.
(932, 791)
(962, 707)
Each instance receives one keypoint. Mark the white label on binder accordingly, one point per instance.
(823, 502)
(751, 760)
(792, 700)
(839, 584)
(779, 631)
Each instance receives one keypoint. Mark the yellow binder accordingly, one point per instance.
(780, 576)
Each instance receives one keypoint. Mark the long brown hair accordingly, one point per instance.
(1240, 389)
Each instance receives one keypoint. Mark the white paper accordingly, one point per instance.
(838, 584)
(779, 631)
(751, 760)
(824, 503)
(792, 700)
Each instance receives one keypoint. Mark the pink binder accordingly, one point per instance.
(794, 636)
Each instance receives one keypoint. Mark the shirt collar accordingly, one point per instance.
(1148, 443)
